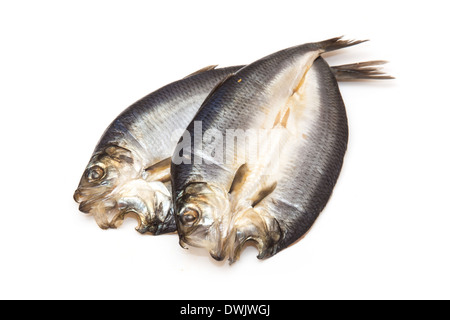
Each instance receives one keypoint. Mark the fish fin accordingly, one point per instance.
(263, 193)
(336, 44)
(360, 71)
(159, 171)
(207, 68)
(239, 178)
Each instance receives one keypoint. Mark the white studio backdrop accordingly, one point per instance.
(67, 69)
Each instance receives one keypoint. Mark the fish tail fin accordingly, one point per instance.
(360, 71)
(336, 44)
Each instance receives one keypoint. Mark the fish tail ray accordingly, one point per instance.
(360, 71)
(337, 43)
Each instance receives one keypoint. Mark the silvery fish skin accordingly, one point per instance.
(293, 99)
(306, 172)
(129, 171)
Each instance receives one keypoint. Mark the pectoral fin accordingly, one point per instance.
(239, 178)
(263, 193)
(159, 171)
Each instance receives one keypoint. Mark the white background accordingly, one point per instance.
(67, 69)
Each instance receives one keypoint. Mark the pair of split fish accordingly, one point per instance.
(290, 97)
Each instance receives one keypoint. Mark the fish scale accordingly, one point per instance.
(127, 159)
(129, 166)
(221, 206)
(314, 173)
(153, 117)
(252, 86)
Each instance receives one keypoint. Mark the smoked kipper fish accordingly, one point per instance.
(272, 142)
(129, 169)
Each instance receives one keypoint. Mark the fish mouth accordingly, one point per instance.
(137, 199)
(218, 256)
(78, 196)
(86, 200)
(220, 251)
(101, 211)
(82, 199)
(85, 207)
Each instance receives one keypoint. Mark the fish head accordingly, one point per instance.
(202, 212)
(106, 171)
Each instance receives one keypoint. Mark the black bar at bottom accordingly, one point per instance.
(235, 309)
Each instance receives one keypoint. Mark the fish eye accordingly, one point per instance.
(95, 173)
(189, 216)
